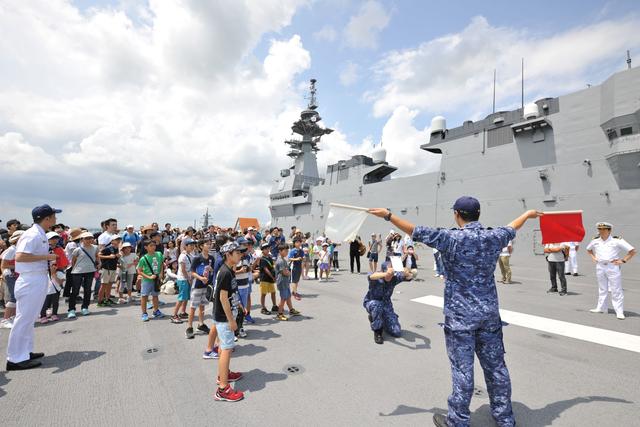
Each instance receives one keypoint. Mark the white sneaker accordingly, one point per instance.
(620, 316)
(121, 301)
(242, 333)
(596, 310)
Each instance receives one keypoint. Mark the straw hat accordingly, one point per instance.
(84, 235)
(74, 233)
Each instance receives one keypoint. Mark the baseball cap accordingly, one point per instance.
(385, 266)
(467, 204)
(15, 236)
(230, 247)
(264, 246)
(242, 241)
(130, 226)
(52, 234)
(126, 245)
(43, 211)
(189, 242)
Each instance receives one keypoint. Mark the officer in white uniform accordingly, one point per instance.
(605, 252)
(571, 264)
(32, 263)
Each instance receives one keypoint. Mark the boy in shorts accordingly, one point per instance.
(184, 273)
(267, 280)
(283, 279)
(109, 256)
(225, 303)
(296, 256)
(150, 269)
(202, 276)
(127, 262)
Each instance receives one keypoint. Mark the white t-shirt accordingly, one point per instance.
(505, 250)
(608, 250)
(185, 259)
(33, 241)
(8, 255)
(324, 257)
(128, 263)
(555, 256)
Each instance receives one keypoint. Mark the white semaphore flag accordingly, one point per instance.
(344, 222)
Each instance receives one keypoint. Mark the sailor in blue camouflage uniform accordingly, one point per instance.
(378, 303)
(472, 320)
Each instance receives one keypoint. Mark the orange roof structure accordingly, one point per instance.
(243, 223)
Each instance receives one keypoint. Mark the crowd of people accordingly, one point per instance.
(220, 265)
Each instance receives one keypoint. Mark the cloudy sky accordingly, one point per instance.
(155, 110)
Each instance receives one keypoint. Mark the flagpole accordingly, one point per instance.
(355, 208)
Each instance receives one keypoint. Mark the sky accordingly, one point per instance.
(156, 110)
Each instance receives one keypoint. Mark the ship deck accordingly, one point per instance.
(111, 369)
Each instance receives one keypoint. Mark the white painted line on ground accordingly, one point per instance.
(558, 327)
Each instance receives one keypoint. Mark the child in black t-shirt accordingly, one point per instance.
(202, 276)
(267, 280)
(225, 303)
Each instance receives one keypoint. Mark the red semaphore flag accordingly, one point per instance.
(561, 226)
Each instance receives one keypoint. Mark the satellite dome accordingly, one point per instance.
(379, 155)
(531, 111)
(438, 124)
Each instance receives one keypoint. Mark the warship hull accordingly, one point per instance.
(580, 152)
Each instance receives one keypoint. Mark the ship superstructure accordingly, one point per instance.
(577, 151)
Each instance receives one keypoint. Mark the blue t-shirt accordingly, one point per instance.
(296, 253)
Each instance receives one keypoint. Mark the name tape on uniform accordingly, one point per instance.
(572, 330)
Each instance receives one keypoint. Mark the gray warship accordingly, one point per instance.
(579, 151)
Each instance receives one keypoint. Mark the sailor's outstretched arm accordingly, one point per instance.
(403, 225)
(519, 222)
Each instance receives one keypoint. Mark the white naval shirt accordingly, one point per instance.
(33, 241)
(608, 250)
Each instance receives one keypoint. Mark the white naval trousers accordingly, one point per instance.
(30, 291)
(571, 265)
(609, 279)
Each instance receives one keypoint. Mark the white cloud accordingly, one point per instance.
(402, 141)
(326, 33)
(349, 74)
(364, 27)
(454, 73)
(150, 120)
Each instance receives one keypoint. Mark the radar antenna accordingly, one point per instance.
(313, 103)
(628, 59)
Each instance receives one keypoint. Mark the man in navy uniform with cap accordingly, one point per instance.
(472, 320)
(32, 263)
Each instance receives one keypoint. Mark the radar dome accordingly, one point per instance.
(379, 155)
(531, 111)
(438, 124)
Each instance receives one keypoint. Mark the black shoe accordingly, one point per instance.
(575, 274)
(551, 290)
(204, 328)
(377, 336)
(274, 309)
(190, 334)
(265, 311)
(562, 293)
(21, 366)
(440, 420)
(567, 274)
(183, 315)
(34, 356)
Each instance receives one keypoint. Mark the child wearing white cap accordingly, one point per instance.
(127, 267)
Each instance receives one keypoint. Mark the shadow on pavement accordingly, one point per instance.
(303, 296)
(421, 342)
(248, 350)
(69, 359)
(257, 379)
(524, 415)
(410, 410)
(528, 417)
(3, 382)
(261, 334)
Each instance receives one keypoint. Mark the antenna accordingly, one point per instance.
(628, 59)
(494, 90)
(522, 99)
(312, 95)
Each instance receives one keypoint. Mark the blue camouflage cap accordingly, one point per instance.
(230, 247)
(242, 241)
(467, 204)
